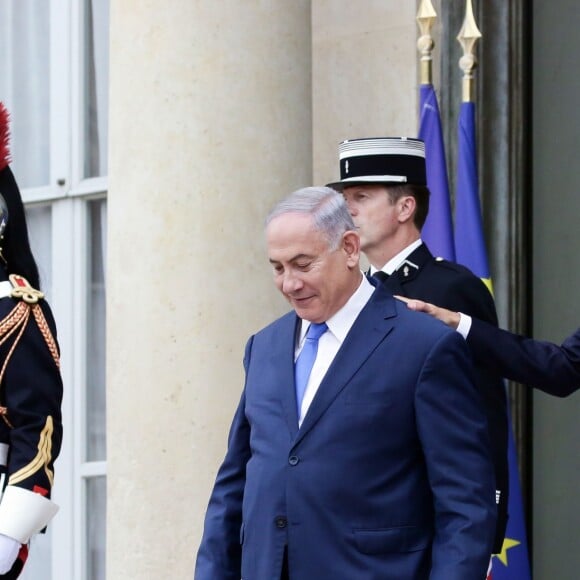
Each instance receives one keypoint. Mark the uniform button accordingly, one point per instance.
(281, 522)
(293, 460)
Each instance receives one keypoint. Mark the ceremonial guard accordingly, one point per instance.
(30, 382)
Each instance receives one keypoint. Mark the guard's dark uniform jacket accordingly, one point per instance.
(30, 415)
(454, 287)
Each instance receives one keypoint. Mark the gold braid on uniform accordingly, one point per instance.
(46, 333)
(17, 320)
(42, 459)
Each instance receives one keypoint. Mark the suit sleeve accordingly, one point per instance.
(452, 430)
(544, 365)
(467, 293)
(219, 555)
(31, 430)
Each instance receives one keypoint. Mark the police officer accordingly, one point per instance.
(30, 382)
(384, 183)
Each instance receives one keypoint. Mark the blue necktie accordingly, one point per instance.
(305, 360)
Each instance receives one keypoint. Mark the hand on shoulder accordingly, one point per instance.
(448, 317)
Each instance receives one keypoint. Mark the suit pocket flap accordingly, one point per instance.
(399, 539)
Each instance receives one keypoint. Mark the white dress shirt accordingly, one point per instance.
(329, 343)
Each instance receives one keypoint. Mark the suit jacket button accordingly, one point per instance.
(293, 460)
(281, 522)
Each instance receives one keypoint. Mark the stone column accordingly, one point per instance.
(365, 79)
(210, 123)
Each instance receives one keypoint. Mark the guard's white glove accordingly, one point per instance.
(9, 548)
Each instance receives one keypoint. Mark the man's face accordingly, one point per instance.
(374, 214)
(315, 280)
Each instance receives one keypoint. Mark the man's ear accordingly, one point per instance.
(407, 206)
(351, 247)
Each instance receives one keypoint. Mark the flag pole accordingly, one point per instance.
(469, 237)
(426, 16)
(467, 37)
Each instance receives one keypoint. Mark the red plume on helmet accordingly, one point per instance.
(18, 257)
(4, 137)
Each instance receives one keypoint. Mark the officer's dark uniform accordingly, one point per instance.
(454, 287)
(30, 416)
(30, 380)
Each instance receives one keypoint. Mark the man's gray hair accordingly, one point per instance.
(327, 208)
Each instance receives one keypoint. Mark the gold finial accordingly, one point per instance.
(426, 16)
(467, 37)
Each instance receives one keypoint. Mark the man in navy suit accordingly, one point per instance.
(385, 186)
(382, 471)
(544, 365)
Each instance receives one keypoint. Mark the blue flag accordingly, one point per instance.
(437, 232)
(469, 239)
(512, 563)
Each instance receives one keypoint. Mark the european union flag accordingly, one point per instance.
(437, 232)
(512, 563)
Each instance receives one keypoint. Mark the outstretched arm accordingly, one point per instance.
(544, 365)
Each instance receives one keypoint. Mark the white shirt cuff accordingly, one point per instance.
(464, 325)
(24, 513)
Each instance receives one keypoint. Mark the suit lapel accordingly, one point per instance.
(373, 324)
(282, 354)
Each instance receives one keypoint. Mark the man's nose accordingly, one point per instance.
(351, 207)
(291, 283)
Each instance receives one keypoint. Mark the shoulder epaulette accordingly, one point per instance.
(22, 290)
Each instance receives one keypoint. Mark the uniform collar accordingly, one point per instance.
(396, 261)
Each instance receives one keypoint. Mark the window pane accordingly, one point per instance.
(95, 396)
(96, 527)
(96, 86)
(39, 220)
(24, 86)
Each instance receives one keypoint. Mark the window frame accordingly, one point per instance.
(69, 194)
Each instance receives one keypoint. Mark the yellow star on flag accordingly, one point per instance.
(507, 544)
(489, 284)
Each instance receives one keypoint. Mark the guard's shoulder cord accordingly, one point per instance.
(16, 320)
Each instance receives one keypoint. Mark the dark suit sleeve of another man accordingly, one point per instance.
(544, 365)
(219, 556)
